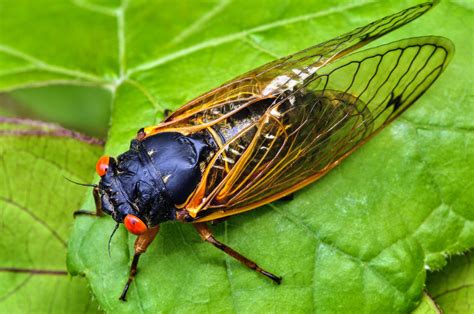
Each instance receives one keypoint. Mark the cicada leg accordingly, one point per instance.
(167, 113)
(141, 244)
(206, 234)
(98, 206)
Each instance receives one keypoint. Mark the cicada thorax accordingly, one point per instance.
(232, 136)
(257, 145)
(208, 109)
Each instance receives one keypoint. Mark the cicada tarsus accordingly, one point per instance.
(267, 133)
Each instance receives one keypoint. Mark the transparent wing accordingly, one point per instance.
(308, 129)
(270, 80)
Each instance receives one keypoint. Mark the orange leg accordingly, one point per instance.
(141, 244)
(98, 206)
(207, 236)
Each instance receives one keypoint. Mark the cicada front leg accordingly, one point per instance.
(98, 206)
(141, 244)
(206, 234)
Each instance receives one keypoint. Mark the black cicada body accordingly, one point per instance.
(153, 176)
(267, 133)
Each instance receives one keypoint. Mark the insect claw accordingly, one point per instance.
(123, 296)
(275, 278)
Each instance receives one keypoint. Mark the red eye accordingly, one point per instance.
(134, 224)
(102, 165)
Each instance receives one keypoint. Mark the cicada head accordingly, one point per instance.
(131, 194)
(143, 186)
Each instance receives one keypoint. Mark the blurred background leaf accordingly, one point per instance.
(35, 210)
(453, 287)
(427, 306)
(80, 108)
(359, 239)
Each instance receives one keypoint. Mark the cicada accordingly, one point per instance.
(267, 133)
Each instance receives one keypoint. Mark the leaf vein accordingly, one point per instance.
(83, 4)
(54, 82)
(229, 272)
(437, 127)
(258, 47)
(16, 288)
(146, 93)
(49, 67)
(300, 223)
(465, 286)
(35, 218)
(236, 36)
(199, 23)
(120, 15)
(18, 70)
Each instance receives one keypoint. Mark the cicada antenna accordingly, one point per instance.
(82, 184)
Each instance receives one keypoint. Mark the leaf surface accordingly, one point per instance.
(427, 306)
(360, 238)
(453, 287)
(35, 206)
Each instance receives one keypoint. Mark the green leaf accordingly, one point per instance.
(359, 239)
(84, 109)
(427, 306)
(35, 206)
(453, 287)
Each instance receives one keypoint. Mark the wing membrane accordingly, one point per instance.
(271, 79)
(285, 124)
(310, 129)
